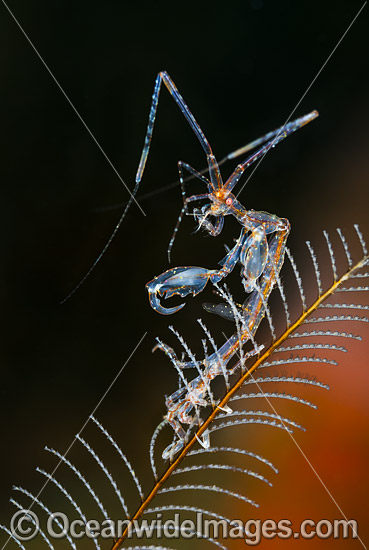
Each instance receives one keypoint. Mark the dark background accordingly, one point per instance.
(241, 67)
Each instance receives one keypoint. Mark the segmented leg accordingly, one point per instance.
(190, 280)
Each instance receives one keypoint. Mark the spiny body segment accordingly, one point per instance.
(259, 249)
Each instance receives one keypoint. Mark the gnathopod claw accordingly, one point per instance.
(178, 280)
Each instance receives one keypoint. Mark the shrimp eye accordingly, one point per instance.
(229, 201)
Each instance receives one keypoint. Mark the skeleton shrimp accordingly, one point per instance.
(261, 262)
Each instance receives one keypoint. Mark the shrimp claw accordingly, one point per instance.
(178, 280)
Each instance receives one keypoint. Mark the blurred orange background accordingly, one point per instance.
(242, 67)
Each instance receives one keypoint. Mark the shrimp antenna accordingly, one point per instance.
(108, 243)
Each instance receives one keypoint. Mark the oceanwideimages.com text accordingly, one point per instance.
(25, 525)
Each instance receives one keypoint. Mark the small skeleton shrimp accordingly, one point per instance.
(261, 261)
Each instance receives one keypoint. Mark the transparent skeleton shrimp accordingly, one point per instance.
(261, 260)
(252, 250)
(197, 394)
